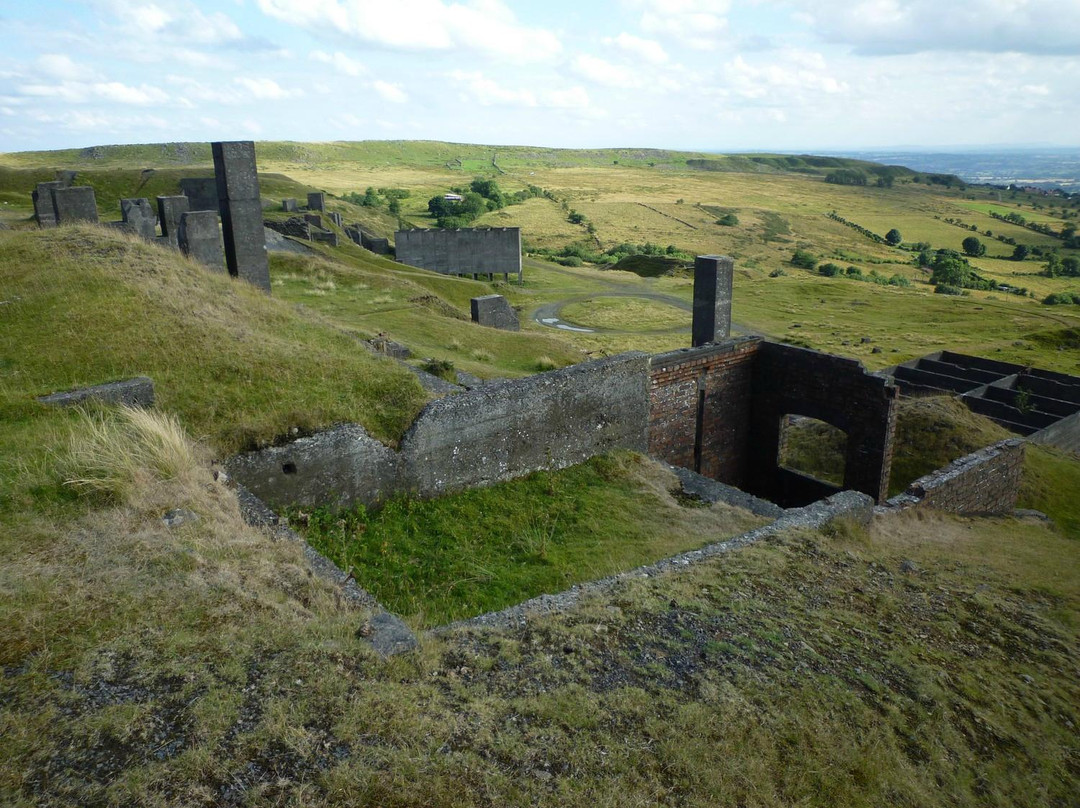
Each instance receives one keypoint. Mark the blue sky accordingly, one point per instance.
(696, 74)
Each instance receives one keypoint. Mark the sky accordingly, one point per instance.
(717, 75)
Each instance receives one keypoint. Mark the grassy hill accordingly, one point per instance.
(929, 660)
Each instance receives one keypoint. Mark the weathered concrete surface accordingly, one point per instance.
(845, 505)
(241, 212)
(139, 217)
(469, 251)
(201, 193)
(199, 237)
(75, 204)
(712, 298)
(275, 242)
(44, 209)
(337, 467)
(1064, 435)
(170, 209)
(477, 437)
(701, 487)
(316, 201)
(494, 311)
(289, 205)
(547, 421)
(136, 392)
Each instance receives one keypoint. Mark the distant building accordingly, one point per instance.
(453, 197)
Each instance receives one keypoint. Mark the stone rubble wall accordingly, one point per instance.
(983, 482)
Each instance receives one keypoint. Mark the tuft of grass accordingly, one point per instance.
(119, 452)
(546, 363)
(482, 355)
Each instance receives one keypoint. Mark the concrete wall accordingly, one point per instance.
(986, 481)
(493, 433)
(1064, 434)
(495, 251)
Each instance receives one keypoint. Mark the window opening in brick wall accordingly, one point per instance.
(813, 448)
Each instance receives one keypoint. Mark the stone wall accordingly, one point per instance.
(497, 432)
(983, 482)
(699, 400)
(718, 409)
(833, 389)
(495, 251)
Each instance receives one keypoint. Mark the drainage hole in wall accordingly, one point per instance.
(289, 468)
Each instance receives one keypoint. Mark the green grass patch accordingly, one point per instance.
(1052, 485)
(625, 314)
(482, 550)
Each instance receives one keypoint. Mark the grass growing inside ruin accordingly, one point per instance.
(483, 550)
(625, 314)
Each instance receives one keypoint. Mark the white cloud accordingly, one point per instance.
(606, 73)
(63, 67)
(178, 21)
(480, 26)
(916, 26)
(264, 89)
(390, 92)
(649, 50)
(341, 62)
(698, 24)
(784, 80)
(479, 89)
(77, 92)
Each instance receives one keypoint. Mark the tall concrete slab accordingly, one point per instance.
(139, 217)
(75, 204)
(199, 237)
(289, 205)
(316, 201)
(44, 211)
(241, 212)
(170, 209)
(712, 299)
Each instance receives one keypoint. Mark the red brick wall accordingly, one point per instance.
(724, 372)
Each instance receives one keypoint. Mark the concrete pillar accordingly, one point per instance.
(199, 237)
(316, 201)
(170, 209)
(75, 204)
(712, 298)
(289, 205)
(139, 217)
(44, 210)
(241, 212)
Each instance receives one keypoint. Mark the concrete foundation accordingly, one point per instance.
(75, 204)
(199, 237)
(494, 311)
(170, 209)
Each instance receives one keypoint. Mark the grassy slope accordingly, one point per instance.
(85, 306)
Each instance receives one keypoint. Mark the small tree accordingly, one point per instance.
(803, 259)
(974, 247)
(1021, 252)
(893, 238)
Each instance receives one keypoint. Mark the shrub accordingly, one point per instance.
(829, 270)
(1062, 298)
(946, 289)
(777, 273)
(569, 261)
(803, 259)
(443, 368)
(728, 220)
(854, 272)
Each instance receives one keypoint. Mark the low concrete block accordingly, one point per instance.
(289, 205)
(313, 218)
(337, 218)
(170, 209)
(66, 178)
(199, 237)
(379, 246)
(495, 311)
(325, 237)
(316, 201)
(139, 217)
(137, 392)
(75, 204)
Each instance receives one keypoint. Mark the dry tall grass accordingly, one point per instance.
(119, 453)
